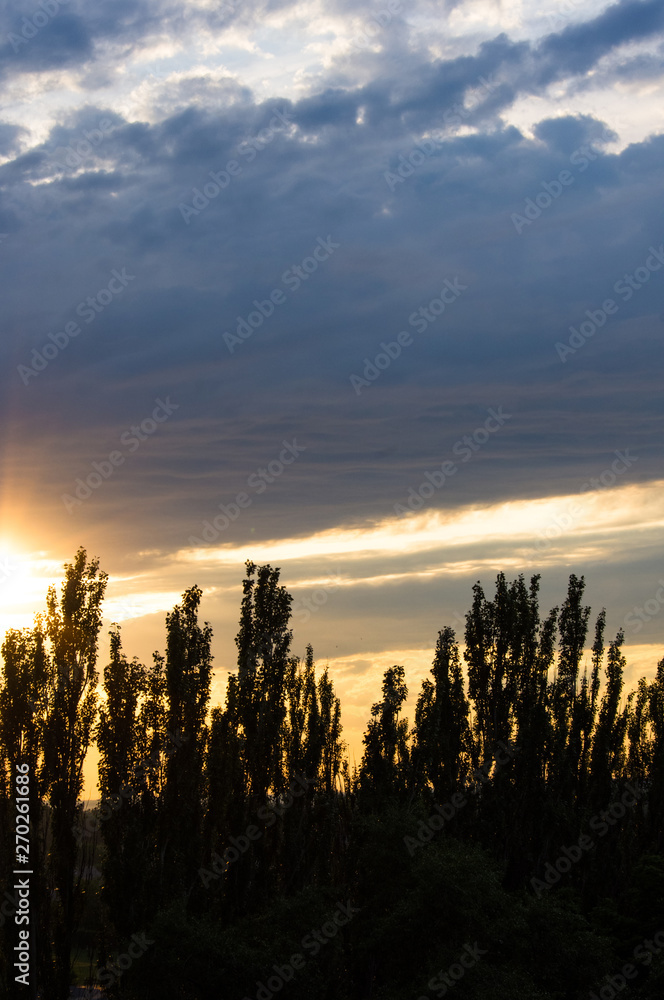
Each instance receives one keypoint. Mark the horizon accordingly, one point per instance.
(357, 680)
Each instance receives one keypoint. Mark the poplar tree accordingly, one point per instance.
(23, 706)
(72, 626)
(655, 784)
(263, 643)
(566, 699)
(328, 743)
(442, 750)
(385, 762)
(492, 686)
(188, 679)
(120, 741)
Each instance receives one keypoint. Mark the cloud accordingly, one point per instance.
(495, 346)
(10, 138)
(33, 46)
(578, 47)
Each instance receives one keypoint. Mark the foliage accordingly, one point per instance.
(227, 837)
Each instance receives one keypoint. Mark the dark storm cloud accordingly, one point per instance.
(59, 34)
(578, 47)
(567, 134)
(197, 274)
(68, 34)
(64, 40)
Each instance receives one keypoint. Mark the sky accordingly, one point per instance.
(371, 293)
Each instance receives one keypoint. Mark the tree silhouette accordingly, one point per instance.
(231, 834)
(442, 749)
(23, 714)
(385, 764)
(72, 627)
(188, 678)
(122, 784)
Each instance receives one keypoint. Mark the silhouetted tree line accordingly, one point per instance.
(519, 821)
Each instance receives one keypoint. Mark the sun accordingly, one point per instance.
(24, 581)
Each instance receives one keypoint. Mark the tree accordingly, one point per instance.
(608, 745)
(72, 627)
(567, 707)
(23, 705)
(188, 678)
(122, 784)
(328, 721)
(442, 751)
(385, 763)
(263, 643)
(492, 646)
(656, 769)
